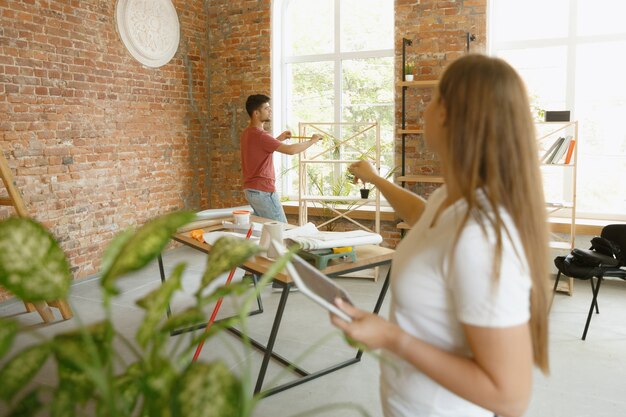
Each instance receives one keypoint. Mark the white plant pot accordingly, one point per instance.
(408, 77)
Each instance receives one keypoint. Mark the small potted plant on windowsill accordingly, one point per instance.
(409, 67)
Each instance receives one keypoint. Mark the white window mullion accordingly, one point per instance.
(338, 78)
(338, 95)
(570, 94)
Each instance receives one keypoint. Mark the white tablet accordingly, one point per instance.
(315, 285)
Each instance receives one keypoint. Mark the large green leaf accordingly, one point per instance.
(29, 405)
(189, 317)
(128, 387)
(207, 390)
(215, 328)
(76, 384)
(63, 402)
(155, 304)
(114, 248)
(74, 349)
(158, 383)
(8, 330)
(143, 246)
(226, 254)
(21, 369)
(32, 265)
(236, 289)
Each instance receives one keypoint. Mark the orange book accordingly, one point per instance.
(570, 151)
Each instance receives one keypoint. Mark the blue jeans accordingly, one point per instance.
(265, 204)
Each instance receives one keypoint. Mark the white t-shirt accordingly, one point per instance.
(432, 298)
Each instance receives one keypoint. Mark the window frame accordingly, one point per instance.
(279, 81)
(571, 43)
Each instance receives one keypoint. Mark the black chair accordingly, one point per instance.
(589, 264)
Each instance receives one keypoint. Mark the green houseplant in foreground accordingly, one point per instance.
(92, 377)
(161, 381)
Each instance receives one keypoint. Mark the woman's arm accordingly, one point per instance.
(498, 377)
(408, 205)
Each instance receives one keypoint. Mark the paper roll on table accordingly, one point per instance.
(271, 231)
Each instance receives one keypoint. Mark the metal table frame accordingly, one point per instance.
(268, 350)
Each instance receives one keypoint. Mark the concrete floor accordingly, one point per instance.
(586, 377)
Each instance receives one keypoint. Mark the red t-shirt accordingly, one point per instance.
(257, 148)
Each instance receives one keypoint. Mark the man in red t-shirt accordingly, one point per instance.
(257, 150)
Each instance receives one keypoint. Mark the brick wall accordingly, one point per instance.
(97, 141)
(239, 44)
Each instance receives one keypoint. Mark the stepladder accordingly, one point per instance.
(14, 199)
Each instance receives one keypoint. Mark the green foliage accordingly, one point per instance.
(70, 348)
(29, 405)
(159, 382)
(132, 252)
(367, 96)
(32, 266)
(226, 253)
(21, 369)
(208, 390)
(536, 109)
(409, 67)
(155, 304)
(8, 330)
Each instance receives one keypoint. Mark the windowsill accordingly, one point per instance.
(591, 227)
(362, 213)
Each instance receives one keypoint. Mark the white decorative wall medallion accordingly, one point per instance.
(149, 29)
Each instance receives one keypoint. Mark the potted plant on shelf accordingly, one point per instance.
(409, 67)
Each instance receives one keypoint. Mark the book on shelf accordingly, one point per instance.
(570, 151)
(549, 155)
(561, 151)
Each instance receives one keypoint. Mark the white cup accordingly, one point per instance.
(271, 231)
(241, 217)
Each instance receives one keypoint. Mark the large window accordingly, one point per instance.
(332, 62)
(571, 55)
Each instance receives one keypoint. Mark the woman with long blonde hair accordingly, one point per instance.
(468, 313)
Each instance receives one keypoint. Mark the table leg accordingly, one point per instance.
(306, 376)
(274, 332)
(379, 303)
(162, 273)
(259, 302)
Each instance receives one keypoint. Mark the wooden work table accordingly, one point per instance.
(368, 256)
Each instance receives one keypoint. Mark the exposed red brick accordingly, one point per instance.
(98, 142)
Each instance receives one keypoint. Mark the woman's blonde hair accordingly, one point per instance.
(491, 144)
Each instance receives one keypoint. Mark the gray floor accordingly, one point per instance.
(587, 378)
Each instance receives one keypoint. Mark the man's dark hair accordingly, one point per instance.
(255, 101)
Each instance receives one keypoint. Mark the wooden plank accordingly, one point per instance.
(366, 255)
(421, 178)
(201, 224)
(9, 183)
(403, 226)
(15, 199)
(420, 83)
(410, 131)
